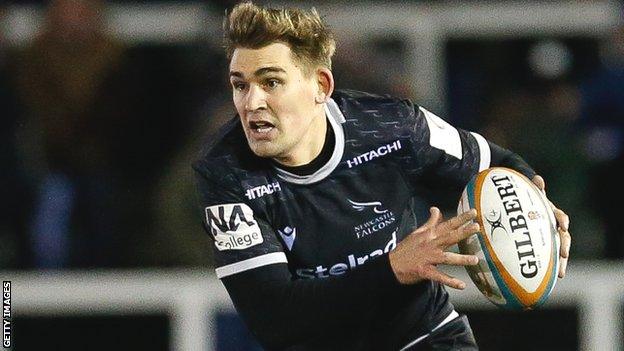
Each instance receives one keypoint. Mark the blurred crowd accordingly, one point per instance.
(96, 137)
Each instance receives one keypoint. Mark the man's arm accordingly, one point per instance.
(452, 156)
(449, 157)
(502, 157)
(283, 312)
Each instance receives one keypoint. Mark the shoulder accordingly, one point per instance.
(225, 155)
(376, 111)
(362, 102)
(378, 118)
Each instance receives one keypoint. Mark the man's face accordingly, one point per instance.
(274, 99)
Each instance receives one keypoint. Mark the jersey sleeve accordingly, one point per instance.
(449, 157)
(242, 238)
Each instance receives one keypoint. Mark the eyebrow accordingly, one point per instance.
(259, 72)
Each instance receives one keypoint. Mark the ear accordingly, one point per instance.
(325, 82)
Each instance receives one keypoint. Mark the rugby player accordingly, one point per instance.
(314, 196)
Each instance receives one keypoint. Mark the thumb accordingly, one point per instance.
(539, 181)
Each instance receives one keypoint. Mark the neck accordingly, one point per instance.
(310, 145)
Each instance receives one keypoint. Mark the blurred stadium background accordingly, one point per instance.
(104, 104)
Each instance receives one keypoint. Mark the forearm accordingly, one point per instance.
(505, 158)
(302, 310)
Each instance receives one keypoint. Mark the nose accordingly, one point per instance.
(256, 98)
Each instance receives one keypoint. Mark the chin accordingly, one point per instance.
(266, 149)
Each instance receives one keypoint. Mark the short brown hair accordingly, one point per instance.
(254, 27)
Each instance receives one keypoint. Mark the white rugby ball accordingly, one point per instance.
(518, 245)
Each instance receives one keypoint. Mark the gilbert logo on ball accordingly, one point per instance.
(518, 246)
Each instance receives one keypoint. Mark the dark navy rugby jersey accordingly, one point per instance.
(315, 246)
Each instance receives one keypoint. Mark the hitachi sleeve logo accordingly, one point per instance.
(262, 190)
(233, 226)
(370, 155)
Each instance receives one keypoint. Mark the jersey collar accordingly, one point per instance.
(336, 119)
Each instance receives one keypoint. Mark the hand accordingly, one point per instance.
(563, 224)
(416, 257)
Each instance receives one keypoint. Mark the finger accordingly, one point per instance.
(539, 182)
(563, 220)
(460, 220)
(461, 233)
(455, 259)
(563, 264)
(434, 218)
(446, 279)
(565, 239)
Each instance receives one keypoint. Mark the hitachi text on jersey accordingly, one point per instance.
(262, 190)
(370, 155)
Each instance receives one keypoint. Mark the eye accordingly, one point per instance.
(272, 83)
(240, 86)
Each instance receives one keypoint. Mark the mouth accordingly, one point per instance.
(261, 127)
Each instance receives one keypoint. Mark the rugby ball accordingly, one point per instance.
(518, 243)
